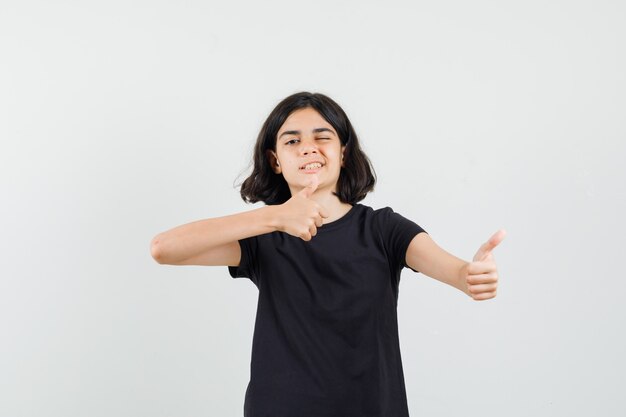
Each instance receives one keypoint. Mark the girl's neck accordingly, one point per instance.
(336, 209)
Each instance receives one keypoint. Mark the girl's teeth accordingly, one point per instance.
(313, 166)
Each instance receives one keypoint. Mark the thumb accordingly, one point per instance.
(488, 246)
(310, 189)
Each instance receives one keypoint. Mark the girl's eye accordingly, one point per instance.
(296, 140)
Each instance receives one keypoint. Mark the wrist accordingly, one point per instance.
(271, 217)
(463, 273)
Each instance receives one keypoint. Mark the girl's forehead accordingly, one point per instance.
(304, 118)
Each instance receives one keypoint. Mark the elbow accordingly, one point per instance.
(156, 250)
(161, 250)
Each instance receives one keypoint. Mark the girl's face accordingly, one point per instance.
(306, 145)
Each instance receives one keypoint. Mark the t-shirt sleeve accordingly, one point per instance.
(248, 264)
(398, 231)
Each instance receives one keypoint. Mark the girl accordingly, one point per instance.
(327, 268)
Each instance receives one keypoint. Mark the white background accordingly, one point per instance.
(123, 119)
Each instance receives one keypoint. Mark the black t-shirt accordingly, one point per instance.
(326, 333)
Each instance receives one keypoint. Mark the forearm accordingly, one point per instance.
(426, 256)
(196, 237)
(452, 271)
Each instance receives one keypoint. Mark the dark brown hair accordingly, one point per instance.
(357, 176)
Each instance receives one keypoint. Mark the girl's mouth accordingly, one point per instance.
(311, 168)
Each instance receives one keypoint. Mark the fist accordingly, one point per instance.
(300, 216)
(481, 275)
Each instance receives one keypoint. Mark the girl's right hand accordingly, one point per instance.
(300, 216)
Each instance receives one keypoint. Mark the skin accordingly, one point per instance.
(214, 241)
(478, 278)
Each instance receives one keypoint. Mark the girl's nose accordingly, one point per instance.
(308, 147)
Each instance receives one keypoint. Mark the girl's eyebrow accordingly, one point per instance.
(297, 132)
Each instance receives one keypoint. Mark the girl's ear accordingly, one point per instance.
(343, 149)
(274, 164)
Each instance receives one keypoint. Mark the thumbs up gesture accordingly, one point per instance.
(300, 216)
(481, 275)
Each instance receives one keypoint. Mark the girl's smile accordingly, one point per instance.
(311, 167)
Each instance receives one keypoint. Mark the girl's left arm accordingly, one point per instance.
(478, 279)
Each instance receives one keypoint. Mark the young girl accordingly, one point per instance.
(327, 268)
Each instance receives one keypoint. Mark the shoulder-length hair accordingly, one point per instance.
(356, 178)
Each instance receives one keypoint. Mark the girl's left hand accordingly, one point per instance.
(481, 275)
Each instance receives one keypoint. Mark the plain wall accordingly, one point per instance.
(123, 119)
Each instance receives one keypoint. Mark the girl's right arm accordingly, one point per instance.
(212, 241)
(215, 241)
